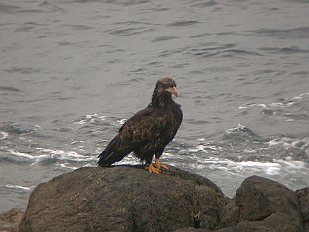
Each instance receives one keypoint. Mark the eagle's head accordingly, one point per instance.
(166, 85)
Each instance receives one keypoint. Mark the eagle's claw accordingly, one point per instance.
(157, 167)
(152, 169)
(161, 166)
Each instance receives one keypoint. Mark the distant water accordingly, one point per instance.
(72, 71)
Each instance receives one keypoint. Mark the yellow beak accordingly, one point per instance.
(172, 90)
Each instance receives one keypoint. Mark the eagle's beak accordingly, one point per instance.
(172, 90)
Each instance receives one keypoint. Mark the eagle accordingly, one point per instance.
(147, 133)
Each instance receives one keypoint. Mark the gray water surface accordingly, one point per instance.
(72, 71)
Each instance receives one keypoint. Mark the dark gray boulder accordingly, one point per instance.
(123, 199)
(268, 204)
(303, 197)
(263, 205)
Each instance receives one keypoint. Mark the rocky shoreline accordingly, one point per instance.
(127, 198)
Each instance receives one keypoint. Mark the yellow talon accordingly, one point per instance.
(153, 169)
(157, 167)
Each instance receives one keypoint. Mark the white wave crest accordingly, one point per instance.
(300, 96)
(122, 121)
(53, 154)
(10, 186)
(22, 154)
(3, 135)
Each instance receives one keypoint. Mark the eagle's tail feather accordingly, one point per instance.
(112, 153)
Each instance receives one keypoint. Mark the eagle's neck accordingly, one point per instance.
(161, 99)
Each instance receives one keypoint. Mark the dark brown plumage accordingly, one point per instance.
(148, 131)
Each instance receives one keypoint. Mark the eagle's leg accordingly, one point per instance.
(152, 168)
(159, 165)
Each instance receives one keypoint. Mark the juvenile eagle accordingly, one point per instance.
(148, 131)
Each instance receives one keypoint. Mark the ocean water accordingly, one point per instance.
(72, 71)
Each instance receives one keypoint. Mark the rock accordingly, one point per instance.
(262, 205)
(303, 197)
(9, 221)
(270, 204)
(230, 215)
(191, 229)
(247, 226)
(123, 199)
